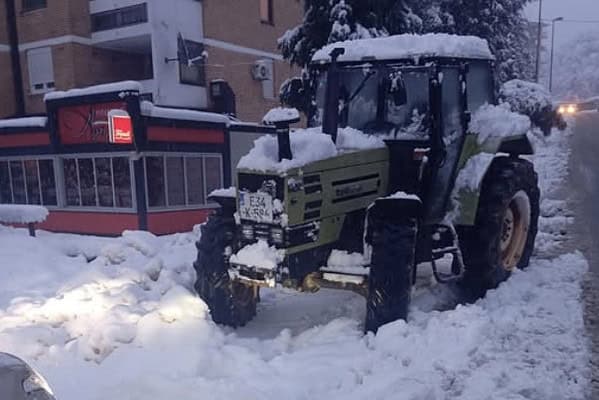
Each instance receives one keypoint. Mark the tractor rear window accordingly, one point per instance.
(410, 120)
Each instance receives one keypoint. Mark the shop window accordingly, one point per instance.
(41, 70)
(182, 181)
(266, 12)
(103, 182)
(29, 5)
(27, 182)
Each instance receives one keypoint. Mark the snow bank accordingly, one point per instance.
(278, 114)
(494, 122)
(123, 86)
(307, 145)
(408, 46)
(24, 122)
(150, 110)
(22, 213)
(259, 255)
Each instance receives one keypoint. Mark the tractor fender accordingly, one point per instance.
(226, 198)
(475, 160)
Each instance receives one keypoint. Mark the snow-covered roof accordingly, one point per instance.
(150, 110)
(408, 46)
(123, 86)
(23, 122)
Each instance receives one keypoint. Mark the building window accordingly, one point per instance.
(29, 5)
(28, 182)
(41, 70)
(182, 181)
(103, 182)
(191, 63)
(266, 12)
(121, 17)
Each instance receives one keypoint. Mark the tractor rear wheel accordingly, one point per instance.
(506, 225)
(392, 263)
(231, 303)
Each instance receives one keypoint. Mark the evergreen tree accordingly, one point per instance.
(499, 21)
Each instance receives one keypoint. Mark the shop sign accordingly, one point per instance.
(120, 128)
(86, 123)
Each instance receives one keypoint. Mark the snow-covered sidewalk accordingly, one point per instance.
(117, 318)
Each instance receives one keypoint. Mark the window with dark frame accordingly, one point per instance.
(99, 182)
(30, 5)
(177, 181)
(28, 182)
(266, 12)
(121, 17)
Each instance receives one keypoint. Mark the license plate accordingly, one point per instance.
(256, 207)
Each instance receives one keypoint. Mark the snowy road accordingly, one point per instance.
(584, 184)
(114, 318)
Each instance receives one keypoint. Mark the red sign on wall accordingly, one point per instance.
(86, 123)
(120, 127)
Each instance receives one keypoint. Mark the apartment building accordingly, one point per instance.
(217, 55)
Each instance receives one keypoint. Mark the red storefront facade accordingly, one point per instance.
(158, 182)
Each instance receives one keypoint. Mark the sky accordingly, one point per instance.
(569, 10)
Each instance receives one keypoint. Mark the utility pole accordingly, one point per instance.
(553, 21)
(539, 29)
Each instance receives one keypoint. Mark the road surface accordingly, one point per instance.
(584, 195)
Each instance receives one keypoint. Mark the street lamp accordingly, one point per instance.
(553, 21)
(539, 29)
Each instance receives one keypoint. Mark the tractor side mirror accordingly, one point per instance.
(293, 94)
(397, 89)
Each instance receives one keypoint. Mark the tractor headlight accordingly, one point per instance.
(247, 232)
(277, 235)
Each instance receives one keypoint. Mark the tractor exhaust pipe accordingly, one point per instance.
(283, 141)
(330, 121)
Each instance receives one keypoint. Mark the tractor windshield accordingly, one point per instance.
(369, 101)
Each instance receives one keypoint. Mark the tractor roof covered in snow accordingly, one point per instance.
(408, 46)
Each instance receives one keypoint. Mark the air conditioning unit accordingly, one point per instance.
(262, 70)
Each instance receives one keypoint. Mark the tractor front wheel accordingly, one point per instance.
(392, 263)
(231, 303)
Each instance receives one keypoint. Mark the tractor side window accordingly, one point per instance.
(410, 120)
(479, 85)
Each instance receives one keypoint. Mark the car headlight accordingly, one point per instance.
(561, 109)
(277, 235)
(247, 232)
(571, 109)
(37, 388)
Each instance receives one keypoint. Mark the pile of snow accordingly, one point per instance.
(148, 109)
(307, 145)
(259, 255)
(404, 196)
(24, 122)
(408, 46)
(226, 192)
(491, 122)
(124, 86)
(279, 114)
(343, 262)
(471, 176)
(22, 213)
(525, 97)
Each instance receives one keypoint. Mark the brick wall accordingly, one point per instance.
(3, 27)
(7, 102)
(235, 68)
(59, 18)
(244, 16)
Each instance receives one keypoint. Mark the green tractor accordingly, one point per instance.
(397, 202)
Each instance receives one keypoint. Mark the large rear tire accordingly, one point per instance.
(506, 225)
(392, 263)
(231, 303)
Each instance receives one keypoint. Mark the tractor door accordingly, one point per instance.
(452, 134)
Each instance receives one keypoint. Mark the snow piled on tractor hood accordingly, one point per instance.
(307, 145)
(495, 122)
(407, 46)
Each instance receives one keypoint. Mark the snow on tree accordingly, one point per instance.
(575, 73)
(533, 100)
(501, 22)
